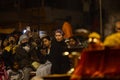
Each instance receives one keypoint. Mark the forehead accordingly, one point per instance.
(71, 39)
(11, 37)
(58, 33)
(45, 39)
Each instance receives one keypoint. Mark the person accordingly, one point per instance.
(67, 28)
(74, 48)
(9, 51)
(94, 41)
(23, 57)
(82, 35)
(113, 40)
(45, 65)
(46, 43)
(3, 72)
(60, 63)
(74, 42)
(35, 43)
(94, 44)
(15, 73)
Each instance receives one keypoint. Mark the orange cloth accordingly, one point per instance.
(98, 63)
(67, 29)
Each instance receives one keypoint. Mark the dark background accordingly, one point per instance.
(19, 14)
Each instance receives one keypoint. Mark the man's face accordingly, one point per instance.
(46, 42)
(72, 42)
(24, 40)
(11, 40)
(58, 36)
(117, 26)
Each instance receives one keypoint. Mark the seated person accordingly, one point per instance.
(15, 73)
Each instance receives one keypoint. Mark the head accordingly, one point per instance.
(23, 39)
(5, 42)
(117, 26)
(46, 41)
(11, 40)
(73, 41)
(94, 41)
(29, 34)
(94, 37)
(35, 40)
(15, 65)
(59, 35)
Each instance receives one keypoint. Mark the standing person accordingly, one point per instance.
(60, 63)
(67, 28)
(23, 56)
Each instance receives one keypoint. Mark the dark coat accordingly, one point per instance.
(8, 56)
(60, 63)
(23, 57)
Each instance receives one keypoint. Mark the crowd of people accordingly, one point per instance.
(28, 52)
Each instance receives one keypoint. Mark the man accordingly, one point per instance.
(23, 56)
(9, 51)
(60, 63)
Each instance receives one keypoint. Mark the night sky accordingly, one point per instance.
(23, 4)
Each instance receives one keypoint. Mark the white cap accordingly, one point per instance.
(22, 37)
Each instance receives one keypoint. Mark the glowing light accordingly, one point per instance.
(66, 53)
(95, 40)
(24, 31)
(90, 40)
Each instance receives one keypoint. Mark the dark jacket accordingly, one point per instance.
(8, 56)
(60, 63)
(23, 57)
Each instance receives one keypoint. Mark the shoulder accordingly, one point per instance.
(9, 71)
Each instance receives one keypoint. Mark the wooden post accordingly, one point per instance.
(101, 24)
